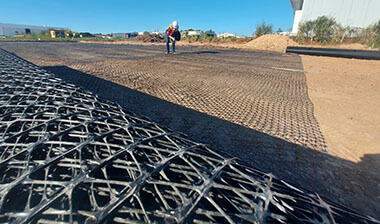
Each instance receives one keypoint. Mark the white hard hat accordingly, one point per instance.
(175, 24)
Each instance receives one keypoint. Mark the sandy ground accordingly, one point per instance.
(346, 97)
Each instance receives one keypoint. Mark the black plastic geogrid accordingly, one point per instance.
(67, 156)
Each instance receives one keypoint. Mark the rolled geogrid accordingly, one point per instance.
(67, 156)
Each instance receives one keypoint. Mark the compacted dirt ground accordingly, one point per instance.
(253, 105)
(346, 95)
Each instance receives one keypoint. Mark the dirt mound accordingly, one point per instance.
(151, 38)
(270, 42)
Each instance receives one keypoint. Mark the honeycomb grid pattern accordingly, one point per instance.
(68, 156)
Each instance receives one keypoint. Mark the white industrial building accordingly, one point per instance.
(226, 35)
(353, 13)
(9, 30)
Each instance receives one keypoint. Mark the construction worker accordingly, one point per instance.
(169, 36)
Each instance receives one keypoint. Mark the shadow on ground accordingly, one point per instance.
(355, 185)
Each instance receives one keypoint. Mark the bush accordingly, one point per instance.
(305, 31)
(192, 38)
(371, 35)
(341, 33)
(376, 29)
(321, 30)
(324, 29)
(263, 28)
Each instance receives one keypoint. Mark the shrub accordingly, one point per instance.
(305, 31)
(341, 32)
(193, 38)
(372, 35)
(377, 34)
(327, 30)
(323, 30)
(263, 28)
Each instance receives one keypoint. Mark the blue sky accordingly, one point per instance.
(233, 16)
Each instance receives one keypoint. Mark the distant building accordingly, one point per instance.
(198, 33)
(10, 30)
(104, 36)
(119, 35)
(191, 33)
(125, 35)
(194, 33)
(353, 13)
(226, 35)
(210, 33)
(85, 34)
(57, 33)
(131, 35)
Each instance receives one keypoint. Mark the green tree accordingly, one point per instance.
(263, 28)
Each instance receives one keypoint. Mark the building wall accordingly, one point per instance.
(297, 20)
(118, 35)
(353, 13)
(10, 30)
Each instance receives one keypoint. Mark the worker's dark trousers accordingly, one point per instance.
(167, 44)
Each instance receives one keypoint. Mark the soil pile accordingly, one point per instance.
(150, 38)
(270, 42)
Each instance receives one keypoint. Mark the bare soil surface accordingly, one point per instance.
(252, 105)
(346, 97)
